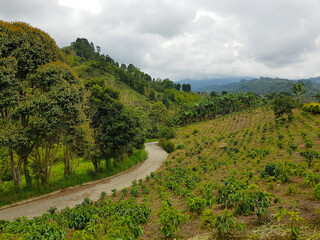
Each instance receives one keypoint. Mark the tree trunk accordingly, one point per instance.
(66, 160)
(15, 174)
(26, 170)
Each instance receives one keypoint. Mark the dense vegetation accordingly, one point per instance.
(240, 165)
(60, 109)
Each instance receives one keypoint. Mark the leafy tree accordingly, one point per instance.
(84, 49)
(186, 87)
(299, 90)
(213, 94)
(177, 86)
(34, 88)
(158, 114)
(283, 105)
(117, 129)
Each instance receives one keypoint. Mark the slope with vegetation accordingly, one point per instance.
(73, 115)
(244, 174)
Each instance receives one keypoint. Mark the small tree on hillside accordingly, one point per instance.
(299, 90)
(283, 105)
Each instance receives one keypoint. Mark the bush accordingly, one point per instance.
(167, 132)
(224, 223)
(276, 170)
(170, 219)
(312, 107)
(196, 204)
(167, 145)
(317, 191)
(309, 156)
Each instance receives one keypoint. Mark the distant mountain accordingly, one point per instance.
(264, 85)
(197, 85)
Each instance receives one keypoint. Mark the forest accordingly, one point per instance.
(240, 165)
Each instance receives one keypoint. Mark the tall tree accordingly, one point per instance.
(23, 49)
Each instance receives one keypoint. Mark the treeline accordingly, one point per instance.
(47, 114)
(215, 105)
(164, 98)
(82, 52)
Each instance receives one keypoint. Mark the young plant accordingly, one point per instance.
(295, 221)
(196, 204)
(225, 223)
(170, 219)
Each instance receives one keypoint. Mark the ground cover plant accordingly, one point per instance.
(224, 183)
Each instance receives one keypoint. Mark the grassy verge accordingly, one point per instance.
(84, 173)
(152, 140)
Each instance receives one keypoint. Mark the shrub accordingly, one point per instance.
(295, 221)
(52, 210)
(225, 223)
(276, 170)
(170, 219)
(167, 132)
(309, 156)
(114, 192)
(181, 146)
(312, 107)
(196, 204)
(124, 192)
(317, 191)
(103, 194)
(167, 145)
(308, 143)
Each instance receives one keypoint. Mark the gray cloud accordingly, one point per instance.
(190, 38)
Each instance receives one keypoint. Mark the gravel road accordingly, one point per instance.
(75, 195)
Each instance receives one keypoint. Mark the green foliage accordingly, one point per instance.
(167, 132)
(276, 170)
(117, 129)
(170, 219)
(103, 194)
(196, 204)
(167, 145)
(224, 223)
(317, 191)
(114, 192)
(218, 105)
(37, 228)
(312, 107)
(52, 210)
(283, 105)
(309, 156)
(295, 220)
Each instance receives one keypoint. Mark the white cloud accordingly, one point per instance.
(187, 38)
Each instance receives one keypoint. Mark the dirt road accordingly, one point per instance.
(72, 196)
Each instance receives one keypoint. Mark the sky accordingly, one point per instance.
(187, 39)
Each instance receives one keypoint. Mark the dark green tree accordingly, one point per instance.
(283, 105)
(26, 98)
(117, 129)
(186, 87)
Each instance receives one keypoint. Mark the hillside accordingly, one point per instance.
(248, 155)
(264, 86)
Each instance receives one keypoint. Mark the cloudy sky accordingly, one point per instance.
(193, 39)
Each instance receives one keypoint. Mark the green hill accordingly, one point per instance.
(264, 86)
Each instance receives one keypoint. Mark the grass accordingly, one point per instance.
(84, 173)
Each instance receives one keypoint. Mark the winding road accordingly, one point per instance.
(72, 196)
